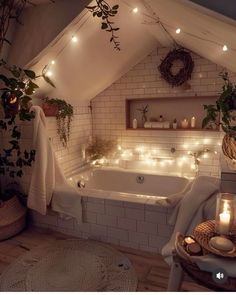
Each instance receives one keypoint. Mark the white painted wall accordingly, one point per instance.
(41, 24)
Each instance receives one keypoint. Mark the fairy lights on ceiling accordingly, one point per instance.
(169, 30)
(156, 19)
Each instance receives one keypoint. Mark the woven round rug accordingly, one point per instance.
(70, 265)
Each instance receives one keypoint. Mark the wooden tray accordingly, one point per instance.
(205, 231)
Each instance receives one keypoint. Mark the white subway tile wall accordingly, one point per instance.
(145, 228)
(144, 81)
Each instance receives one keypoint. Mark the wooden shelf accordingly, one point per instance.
(170, 108)
(171, 129)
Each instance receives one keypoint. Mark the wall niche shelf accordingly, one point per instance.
(170, 108)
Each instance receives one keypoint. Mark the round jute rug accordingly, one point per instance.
(70, 265)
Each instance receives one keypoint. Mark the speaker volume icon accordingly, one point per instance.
(220, 275)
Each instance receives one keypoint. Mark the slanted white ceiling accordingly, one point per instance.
(87, 67)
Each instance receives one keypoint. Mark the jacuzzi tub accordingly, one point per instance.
(109, 182)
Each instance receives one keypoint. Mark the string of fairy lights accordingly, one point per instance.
(168, 29)
(188, 155)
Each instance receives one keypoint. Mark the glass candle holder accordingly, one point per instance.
(225, 213)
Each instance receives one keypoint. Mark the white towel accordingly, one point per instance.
(196, 206)
(47, 179)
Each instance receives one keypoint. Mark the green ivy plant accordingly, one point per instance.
(64, 118)
(104, 11)
(225, 107)
(17, 89)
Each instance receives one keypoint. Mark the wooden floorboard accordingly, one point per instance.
(152, 271)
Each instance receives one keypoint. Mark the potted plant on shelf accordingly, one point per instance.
(143, 111)
(16, 92)
(63, 112)
(223, 113)
(175, 124)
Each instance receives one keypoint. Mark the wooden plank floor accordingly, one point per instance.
(151, 269)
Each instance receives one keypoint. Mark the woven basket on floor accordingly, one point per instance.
(12, 218)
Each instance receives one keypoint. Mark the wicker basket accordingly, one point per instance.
(12, 218)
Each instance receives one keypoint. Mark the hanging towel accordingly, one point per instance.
(191, 210)
(48, 181)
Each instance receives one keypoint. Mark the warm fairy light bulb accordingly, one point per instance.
(215, 152)
(205, 156)
(48, 73)
(53, 62)
(119, 148)
(225, 48)
(74, 39)
(135, 10)
(178, 31)
(193, 166)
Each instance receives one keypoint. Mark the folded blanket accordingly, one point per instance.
(196, 206)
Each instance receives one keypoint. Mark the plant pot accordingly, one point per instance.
(174, 125)
(50, 110)
(12, 218)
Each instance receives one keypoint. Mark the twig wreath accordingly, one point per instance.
(184, 73)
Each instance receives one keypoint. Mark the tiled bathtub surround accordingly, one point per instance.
(144, 81)
(140, 225)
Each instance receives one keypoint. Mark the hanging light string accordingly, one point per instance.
(46, 70)
(156, 20)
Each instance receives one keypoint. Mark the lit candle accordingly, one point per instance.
(224, 223)
(184, 123)
(189, 240)
(193, 122)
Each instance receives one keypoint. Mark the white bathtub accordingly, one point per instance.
(121, 183)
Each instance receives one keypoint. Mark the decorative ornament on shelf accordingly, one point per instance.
(64, 114)
(184, 123)
(143, 111)
(175, 124)
(184, 74)
(223, 114)
(193, 122)
(135, 124)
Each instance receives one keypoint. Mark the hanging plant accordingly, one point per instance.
(104, 11)
(183, 74)
(17, 87)
(64, 114)
(224, 108)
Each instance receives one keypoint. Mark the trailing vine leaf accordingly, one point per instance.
(225, 107)
(104, 11)
(48, 80)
